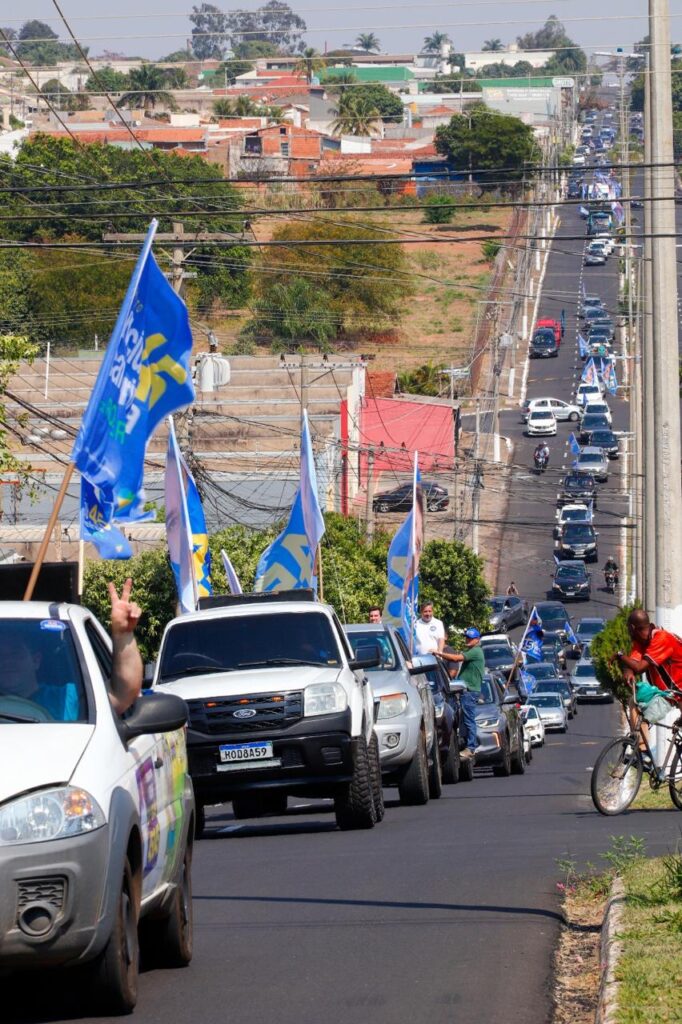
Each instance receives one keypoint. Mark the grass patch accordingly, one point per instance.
(653, 799)
(650, 967)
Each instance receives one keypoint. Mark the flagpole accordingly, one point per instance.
(413, 540)
(520, 648)
(320, 575)
(183, 498)
(42, 550)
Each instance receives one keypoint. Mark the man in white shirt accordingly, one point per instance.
(430, 631)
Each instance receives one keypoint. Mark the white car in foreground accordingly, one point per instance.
(541, 423)
(96, 810)
(532, 724)
(589, 393)
(551, 710)
(571, 514)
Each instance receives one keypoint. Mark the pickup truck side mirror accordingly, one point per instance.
(511, 698)
(366, 656)
(422, 663)
(153, 712)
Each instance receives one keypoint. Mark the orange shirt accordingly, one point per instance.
(664, 649)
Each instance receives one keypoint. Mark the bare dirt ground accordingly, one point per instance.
(577, 971)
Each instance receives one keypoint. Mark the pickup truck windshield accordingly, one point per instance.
(41, 679)
(201, 647)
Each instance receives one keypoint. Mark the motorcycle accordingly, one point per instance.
(541, 460)
(611, 580)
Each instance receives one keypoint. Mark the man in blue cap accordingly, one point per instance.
(471, 674)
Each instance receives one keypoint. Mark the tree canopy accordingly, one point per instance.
(210, 32)
(364, 285)
(569, 58)
(107, 79)
(274, 24)
(494, 147)
(37, 43)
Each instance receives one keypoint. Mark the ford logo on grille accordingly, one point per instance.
(244, 713)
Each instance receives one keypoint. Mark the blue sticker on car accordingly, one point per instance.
(54, 625)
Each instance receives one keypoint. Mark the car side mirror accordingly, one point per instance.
(510, 698)
(149, 673)
(366, 656)
(422, 663)
(457, 687)
(153, 712)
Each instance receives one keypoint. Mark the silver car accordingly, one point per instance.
(585, 683)
(551, 710)
(593, 460)
(406, 716)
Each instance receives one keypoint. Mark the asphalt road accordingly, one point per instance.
(443, 913)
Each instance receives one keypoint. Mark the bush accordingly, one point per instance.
(490, 249)
(614, 637)
(439, 208)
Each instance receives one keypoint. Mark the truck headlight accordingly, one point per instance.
(324, 699)
(392, 704)
(486, 723)
(49, 814)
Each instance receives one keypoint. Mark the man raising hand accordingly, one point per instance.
(126, 669)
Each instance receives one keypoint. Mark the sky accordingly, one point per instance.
(400, 25)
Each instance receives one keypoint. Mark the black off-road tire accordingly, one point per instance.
(504, 768)
(354, 805)
(518, 760)
(451, 763)
(435, 773)
(414, 785)
(115, 971)
(375, 765)
(168, 941)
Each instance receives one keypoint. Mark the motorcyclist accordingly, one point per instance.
(611, 566)
(541, 453)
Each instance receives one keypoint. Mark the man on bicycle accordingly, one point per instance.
(655, 653)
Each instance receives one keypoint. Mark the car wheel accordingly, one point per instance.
(377, 785)
(168, 941)
(504, 768)
(573, 417)
(414, 785)
(466, 769)
(529, 754)
(435, 776)
(383, 506)
(451, 764)
(432, 506)
(200, 822)
(115, 971)
(518, 760)
(354, 806)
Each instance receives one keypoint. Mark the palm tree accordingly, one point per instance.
(338, 79)
(309, 63)
(356, 115)
(434, 42)
(242, 106)
(367, 41)
(146, 89)
(492, 45)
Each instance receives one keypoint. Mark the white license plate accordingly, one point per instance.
(245, 753)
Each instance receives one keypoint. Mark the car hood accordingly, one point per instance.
(35, 756)
(487, 711)
(384, 682)
(260, 680)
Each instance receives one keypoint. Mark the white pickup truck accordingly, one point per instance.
(96, 810)
(278, 705)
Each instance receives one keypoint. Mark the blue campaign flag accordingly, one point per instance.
(232, 578)
(289, 562)
(402, 594)
(573, 444)
(144, 376)
(572, 638)
(96, 525)
(583, 347)
(178, 526)
(528, 680)
(584, 212)
(610, 379)
(531, 642)
(197, 524)
(589, 374)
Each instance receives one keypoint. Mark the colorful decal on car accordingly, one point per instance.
(149, 818)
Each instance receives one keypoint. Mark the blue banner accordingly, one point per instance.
(144, 376)
(402, 596)
(589, 374)
(610, 379)
(96, 525)
(573, 444)
(289, 562)
(179, 528)
(583, 347)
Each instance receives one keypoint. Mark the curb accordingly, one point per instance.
(609, 954)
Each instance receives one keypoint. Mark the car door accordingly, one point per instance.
(424, 690)
(149, 786)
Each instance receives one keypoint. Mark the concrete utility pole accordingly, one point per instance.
(369, 496)
(476, 486)
(666, 363)
(647, 584)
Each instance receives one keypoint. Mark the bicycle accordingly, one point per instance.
(617, 773)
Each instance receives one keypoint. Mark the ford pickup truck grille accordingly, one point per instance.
(257, 712)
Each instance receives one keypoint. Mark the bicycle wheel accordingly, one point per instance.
(616, 776)
(675, 779)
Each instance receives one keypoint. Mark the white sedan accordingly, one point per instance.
(589, 393)
(540, 422)
(561, 410)
(600, 408)
(532, 724)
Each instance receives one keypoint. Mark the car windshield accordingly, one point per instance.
(528, 713)
(541, 414)
(497, 651)
(496, 604)
(602, 437)
(41, 680)
(590, 628)
(571, 572)
(486, 694)
(589, 459)
(541, 671)
(389, 661)
(544, 339)
(584, 672)
(546, 700)
(551, 686)
(576, 515)
(578, 532)
(579, 480)
(551, 618)
(229, 643)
